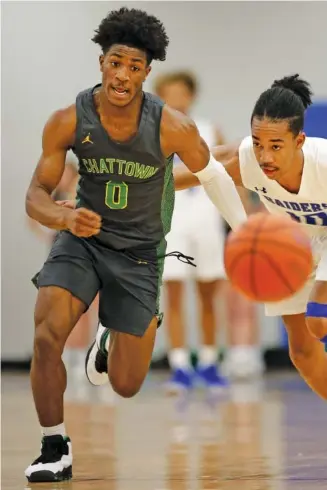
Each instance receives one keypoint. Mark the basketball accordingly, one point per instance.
(268, 258)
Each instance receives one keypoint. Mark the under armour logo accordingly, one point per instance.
(263, 190)
(87, 139)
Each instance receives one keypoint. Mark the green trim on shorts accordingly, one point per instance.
(167, 209)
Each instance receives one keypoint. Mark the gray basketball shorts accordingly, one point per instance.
(128, 281)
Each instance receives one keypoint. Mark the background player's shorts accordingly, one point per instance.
(128, 281)
(197, 230)
(298, 302)
(207, 250)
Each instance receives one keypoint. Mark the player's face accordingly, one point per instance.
(177, 95)
(124, 70)
(275, 146)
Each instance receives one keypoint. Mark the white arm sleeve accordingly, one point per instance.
(222, 192)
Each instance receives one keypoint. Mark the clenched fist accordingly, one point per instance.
(82, 222)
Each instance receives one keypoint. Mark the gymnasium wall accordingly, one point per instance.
(236, 48)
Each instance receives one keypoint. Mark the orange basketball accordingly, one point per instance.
(268, 258)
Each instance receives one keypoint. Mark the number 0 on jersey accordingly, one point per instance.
(116, 195)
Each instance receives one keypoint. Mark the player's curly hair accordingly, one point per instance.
(285, 99)
(134, 28)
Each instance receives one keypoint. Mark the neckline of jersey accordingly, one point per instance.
(142, 122)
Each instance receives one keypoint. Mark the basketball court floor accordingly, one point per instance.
(259, 436)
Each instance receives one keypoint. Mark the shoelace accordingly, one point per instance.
(183, 258)
(51, 451)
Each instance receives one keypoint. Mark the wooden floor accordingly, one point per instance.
(258, 437)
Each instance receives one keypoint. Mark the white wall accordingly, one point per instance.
(237, 49)
(46, 59)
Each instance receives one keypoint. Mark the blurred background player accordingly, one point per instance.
(284, 167)
(243, 358)
(198, 230)
(79, 339)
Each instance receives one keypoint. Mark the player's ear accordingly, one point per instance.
(300, 139)
(147, 71)
(101, 59)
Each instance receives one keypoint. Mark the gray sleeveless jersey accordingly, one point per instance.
(130, 185)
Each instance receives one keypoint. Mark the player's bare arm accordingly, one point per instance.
(180, 135)
(58, 135)
(225, 154)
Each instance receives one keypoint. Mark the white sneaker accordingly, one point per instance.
(96, 367)
(55, 462)
(243, 362)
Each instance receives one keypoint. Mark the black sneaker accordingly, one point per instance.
(96, 367)
(55, 462)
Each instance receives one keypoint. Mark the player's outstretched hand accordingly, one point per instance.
(82, 222)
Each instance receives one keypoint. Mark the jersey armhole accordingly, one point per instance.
(78, 129)
(157, 136)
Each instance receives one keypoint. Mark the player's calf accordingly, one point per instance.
(129, 359)
(121, 379)
(307, 353)
(127, 363)
(56, 313)
(302, 345)
(48, 375)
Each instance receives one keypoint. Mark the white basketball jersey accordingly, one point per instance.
(309, 206)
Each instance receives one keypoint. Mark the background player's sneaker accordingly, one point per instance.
(55, 462)
(243, 362)
(211, 378)
(96, 367)
(181, 380)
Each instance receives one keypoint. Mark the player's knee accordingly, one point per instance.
(299, 355)
(317, 327)
(316, 320)
(125, 386)
(300, 349)
(47, 345)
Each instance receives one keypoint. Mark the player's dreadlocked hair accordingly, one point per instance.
(134, 28)
(286, 99)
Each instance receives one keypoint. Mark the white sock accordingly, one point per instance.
(54, 431)
(208, 355)
(179, 358)
(107, 343)
(245, 350)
